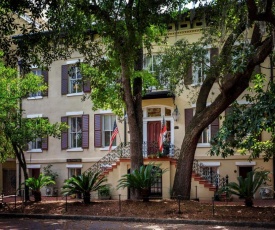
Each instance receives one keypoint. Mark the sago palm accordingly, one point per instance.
(84, 184)
(247, 187)
(35, 184)
(142, 179)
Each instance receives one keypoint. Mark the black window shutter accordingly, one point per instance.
(64, 134)
(64, 79)
(85, 131)
(98, 133)
(189, 78)
(45, 74)
(86, 86)
(45, 140)
(215, 127)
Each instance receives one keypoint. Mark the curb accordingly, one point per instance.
(143, 220)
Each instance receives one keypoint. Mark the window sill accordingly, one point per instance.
(107, 148)
(203, 145)
(35, 98)
(35, 151)
(196, 84)
(75, 94)
(75, 150)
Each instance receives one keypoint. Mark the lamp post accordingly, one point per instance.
(176, 114)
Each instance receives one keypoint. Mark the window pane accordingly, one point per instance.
(108, 124)
(75, 132)
(154, 112)
(75, 85)
(167, 112)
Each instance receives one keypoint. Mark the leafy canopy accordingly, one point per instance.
(244, 125)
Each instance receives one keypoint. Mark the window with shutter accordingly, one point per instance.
(37, 94)
(39, 143)
(103, 124)
(77, 136)
(197, 72)
(208, 133)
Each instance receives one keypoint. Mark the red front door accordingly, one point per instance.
(153, 132)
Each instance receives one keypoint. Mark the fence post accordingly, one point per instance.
(179, 212)
(213, 206)
(119, 202)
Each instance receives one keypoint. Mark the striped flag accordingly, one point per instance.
(115, 132)
(161, 135)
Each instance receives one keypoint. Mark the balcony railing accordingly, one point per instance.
(123, 151)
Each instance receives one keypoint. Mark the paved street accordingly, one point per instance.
(100, 225)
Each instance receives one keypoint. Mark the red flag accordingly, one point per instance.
(115, 132)
(162, 133)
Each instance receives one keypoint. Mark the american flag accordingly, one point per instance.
(161, 135)
(115, 132)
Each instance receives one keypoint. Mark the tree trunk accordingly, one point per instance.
(133, 100)
(19, 153)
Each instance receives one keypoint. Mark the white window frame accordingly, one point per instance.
(148, 64)
(30, 144)
(208, 132)
(198, 74)
(109, 130)
(38, 94)
(73, 134)
(74, 80)
(74, 167)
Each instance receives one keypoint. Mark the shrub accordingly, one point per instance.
(84, 184)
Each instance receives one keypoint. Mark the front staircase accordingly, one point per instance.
(203, 186)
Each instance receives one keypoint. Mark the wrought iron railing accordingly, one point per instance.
(212, 177)
(123, 151)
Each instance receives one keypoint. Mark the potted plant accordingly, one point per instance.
(104, 193)
(166, 148)
(35, 184)
(247, 187)
(50, 191)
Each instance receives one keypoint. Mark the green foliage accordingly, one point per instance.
(15, 131)
(36, 184)
(84, 184)
(247, 187)
(49, 172)
(104, 191)
(245, 123)
(142, 178)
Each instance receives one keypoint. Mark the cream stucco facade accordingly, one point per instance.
(54, 106)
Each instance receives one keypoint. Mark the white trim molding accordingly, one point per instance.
(34, 115)
(74, 166)
(74, 61)
(245, 163)
(33, 166)
(211, 164)
(74, 113)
